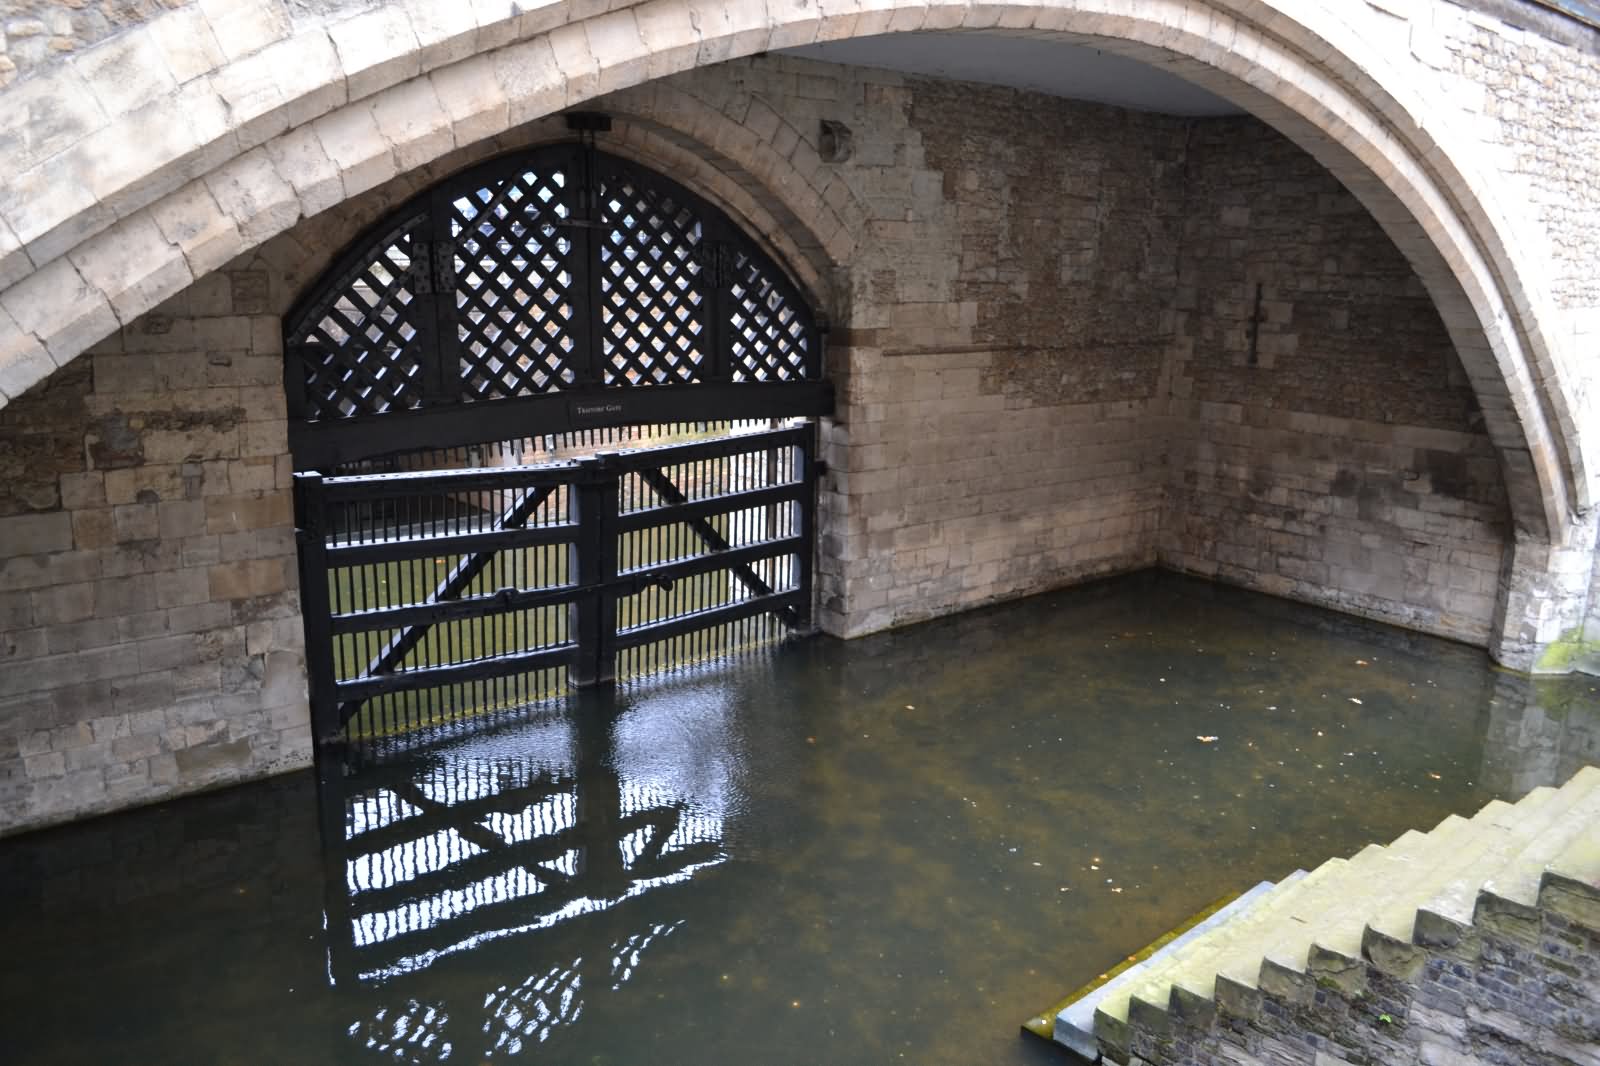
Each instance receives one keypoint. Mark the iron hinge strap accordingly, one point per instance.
(716, 259)
(443, 254)
(433, 267)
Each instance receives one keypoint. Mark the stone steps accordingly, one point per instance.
(1073, 1025)
(1378, 907)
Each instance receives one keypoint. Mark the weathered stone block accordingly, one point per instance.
(351, 139)
(177, 588)
(299, 157)
(36, 534)
(136, 521)
(125, 72)
(44, 116)
(187, 44)
(376, 49)
(244, 26)
(252, 512)
(61, 604)
(248, 579)
(207, 761)
(192, 219)
(254, 196)
(59, 308)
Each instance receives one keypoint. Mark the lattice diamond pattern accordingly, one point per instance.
(650, 292)
(361, 357)
(514, 282)
(510, 255)
(769, 337)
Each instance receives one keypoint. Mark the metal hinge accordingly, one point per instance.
(433, 267)
(717, 260)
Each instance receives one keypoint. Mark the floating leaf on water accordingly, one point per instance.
(911, 706)
(1206, 740)
(1435, 776)
(1355, 701)
(1362, 662)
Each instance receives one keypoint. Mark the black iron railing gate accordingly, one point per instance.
(433, 595)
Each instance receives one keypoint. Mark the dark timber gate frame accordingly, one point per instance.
(546, 292)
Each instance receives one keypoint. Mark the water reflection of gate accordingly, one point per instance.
(487, 840)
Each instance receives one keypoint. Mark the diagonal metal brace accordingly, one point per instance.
(454, 584)
(714, 540)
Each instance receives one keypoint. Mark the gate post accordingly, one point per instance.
(310, 534)
(810, 478)
(592, 563)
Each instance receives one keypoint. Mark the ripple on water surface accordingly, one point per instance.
(890, 849)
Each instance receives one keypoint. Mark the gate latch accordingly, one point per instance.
(652, 581)
(626, 585)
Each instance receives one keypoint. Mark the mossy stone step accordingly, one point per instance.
(1532, 838)
(1112, 1014)
(1405, 866)
(1570, 884)
(1282, 939)
(1073, 1025)
(1394, 913)
(1507, 902)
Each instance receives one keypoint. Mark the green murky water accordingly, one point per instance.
(889, 850)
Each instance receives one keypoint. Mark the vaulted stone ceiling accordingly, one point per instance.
(1048, 66)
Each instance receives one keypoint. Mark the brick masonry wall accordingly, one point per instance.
(1326, 445)
(1537, 102)
(150, 639)
(1009, 314)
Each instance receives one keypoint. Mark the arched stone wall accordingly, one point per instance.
(142, 168)
(967, 465)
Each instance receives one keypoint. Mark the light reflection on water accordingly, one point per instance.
(888, 850)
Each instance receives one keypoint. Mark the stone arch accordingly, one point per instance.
(175, 158)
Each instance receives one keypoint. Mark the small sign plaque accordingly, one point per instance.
(608, 411)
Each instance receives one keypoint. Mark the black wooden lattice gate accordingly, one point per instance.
(537, 298)
(430, 595)
(548, 291)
